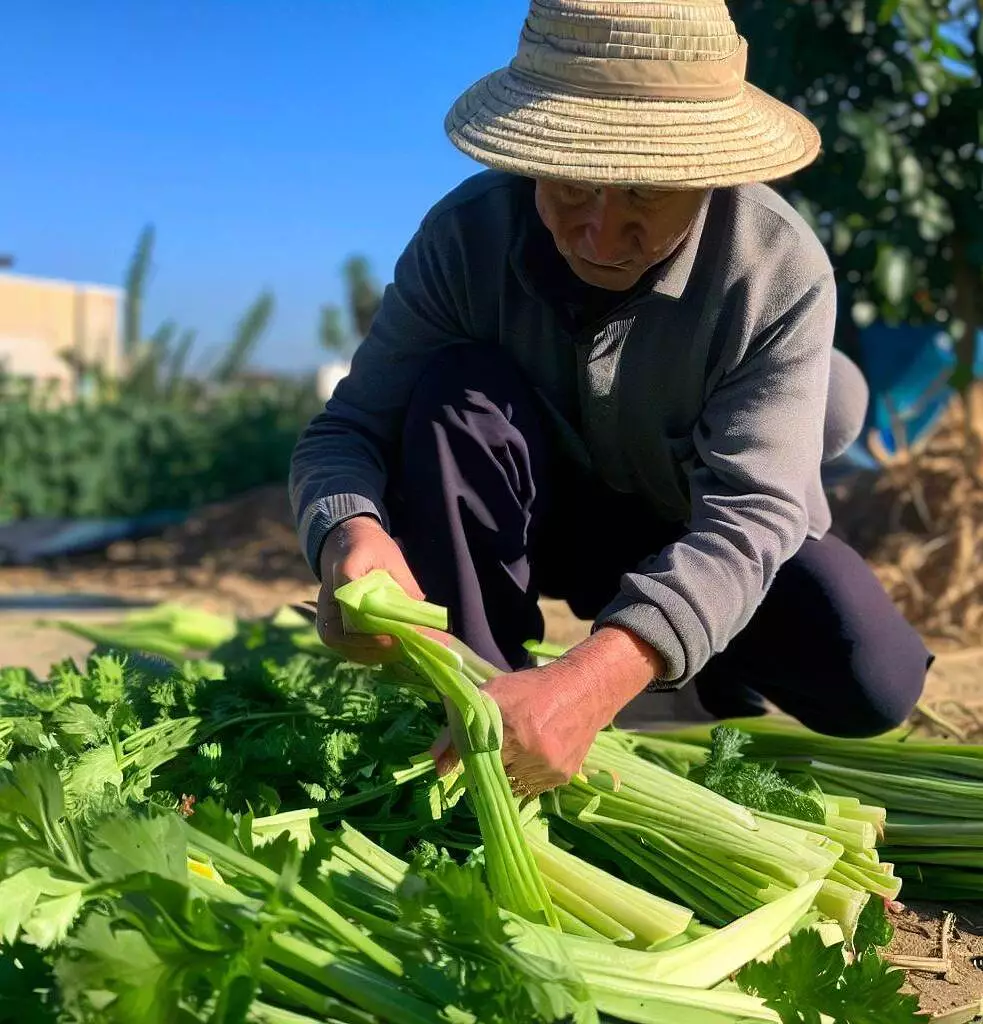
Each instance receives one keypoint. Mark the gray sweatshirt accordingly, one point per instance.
(704, 391)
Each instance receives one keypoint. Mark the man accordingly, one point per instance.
(604, 372)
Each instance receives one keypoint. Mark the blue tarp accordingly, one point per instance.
(908, 371)
(31, 540)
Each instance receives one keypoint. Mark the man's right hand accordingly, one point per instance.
(352, 549)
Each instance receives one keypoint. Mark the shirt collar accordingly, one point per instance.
(671, 276)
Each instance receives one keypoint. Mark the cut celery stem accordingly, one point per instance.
(703, 963)
(850, 835)
(326, 1007)
(842, 903)
(572, 925)
(652, 1003)
(595, 918)
(367, 989)
(863, 878)
(650, 919)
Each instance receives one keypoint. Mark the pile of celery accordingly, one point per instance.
(932, 792)
(713, 855)
(637, 892)
(762, 877)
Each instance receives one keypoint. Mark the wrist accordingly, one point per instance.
(610, 668)
(343, 536)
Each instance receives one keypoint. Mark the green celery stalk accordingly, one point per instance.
(585, 912)
(843, 904)
(962, 798)
(360, 985)
(916, 830)
(203, 847)
(953, 857)
(572, 925)
(705, 962)
(851, 808)
(872, 880)
(650, 919)
(375, 604)
(856, 836)
(654, 1003)
(326, 1007)
(939, 882)
(868, 860)
(708, 899)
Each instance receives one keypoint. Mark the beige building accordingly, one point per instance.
(48, 328)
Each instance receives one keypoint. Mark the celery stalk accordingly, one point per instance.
(376, 604)
(652, 1003)
(704, 962)
(648, 919)
(843, 904)
(595, 918)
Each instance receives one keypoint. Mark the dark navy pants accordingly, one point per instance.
(491, 517)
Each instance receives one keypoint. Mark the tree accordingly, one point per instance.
(895, 88)
(248, 333)
(156, 366)
(364, 299)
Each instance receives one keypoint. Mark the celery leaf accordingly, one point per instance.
(807, 980)
(757, 786)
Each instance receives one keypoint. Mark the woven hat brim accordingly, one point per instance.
(513, 123)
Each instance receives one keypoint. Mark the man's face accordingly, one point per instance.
(611, 236)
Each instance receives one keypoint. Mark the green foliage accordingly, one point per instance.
(126, 457)
(806, 979)
(874, 929)
(364, 299)
(103, 918)
(247, 336)
(755, 785)
(895, 88)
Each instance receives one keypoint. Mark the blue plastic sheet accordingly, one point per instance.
(908, 371)
(26, 541)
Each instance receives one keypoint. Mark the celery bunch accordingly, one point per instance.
(932, 792)
(377, 605)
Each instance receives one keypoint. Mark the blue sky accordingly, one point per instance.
(266, 142)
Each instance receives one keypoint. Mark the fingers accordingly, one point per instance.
(444, 754)
(364, 650)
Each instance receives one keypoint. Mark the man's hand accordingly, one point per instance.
(552, 714)
(352, 549)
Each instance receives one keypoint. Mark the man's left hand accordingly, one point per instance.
(551, 715)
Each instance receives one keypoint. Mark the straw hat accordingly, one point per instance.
(631, 93)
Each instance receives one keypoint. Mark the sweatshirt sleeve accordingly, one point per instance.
(759, 447)
(338, 466)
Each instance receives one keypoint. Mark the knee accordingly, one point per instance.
(868, 665)
(888, 669)
(846, 407)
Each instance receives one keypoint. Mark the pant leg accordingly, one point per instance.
(827, 646)
(465, 494)
(490, 514)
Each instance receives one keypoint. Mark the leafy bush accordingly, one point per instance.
(129, 457)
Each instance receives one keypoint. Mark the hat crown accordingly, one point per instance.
(634, 48)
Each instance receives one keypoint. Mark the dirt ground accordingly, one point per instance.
(243, 558)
